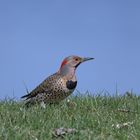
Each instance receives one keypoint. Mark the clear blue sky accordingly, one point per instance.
(36, 35)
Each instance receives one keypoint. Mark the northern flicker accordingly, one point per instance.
(59, 85)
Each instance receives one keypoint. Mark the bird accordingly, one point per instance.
(57, 86)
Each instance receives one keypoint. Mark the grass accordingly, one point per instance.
(94, 118)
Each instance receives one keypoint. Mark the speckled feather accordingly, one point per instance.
(51, 90)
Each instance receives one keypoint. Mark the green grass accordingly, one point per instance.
(94, 118)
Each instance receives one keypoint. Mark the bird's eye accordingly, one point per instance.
(76, 59)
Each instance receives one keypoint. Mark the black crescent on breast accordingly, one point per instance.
(71, 84)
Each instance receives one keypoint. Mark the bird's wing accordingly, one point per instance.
(39, 89)
(45, 86)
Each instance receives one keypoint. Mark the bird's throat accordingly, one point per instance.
(68, 72)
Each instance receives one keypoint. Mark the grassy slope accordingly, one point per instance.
(93, 117)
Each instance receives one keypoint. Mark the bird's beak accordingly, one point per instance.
(86, 59)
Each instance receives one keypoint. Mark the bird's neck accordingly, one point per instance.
(68, 72)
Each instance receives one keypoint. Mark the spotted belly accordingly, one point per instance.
(59, 92)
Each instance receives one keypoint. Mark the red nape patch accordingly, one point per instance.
(63, 63)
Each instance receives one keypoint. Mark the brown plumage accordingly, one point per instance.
(57, 86)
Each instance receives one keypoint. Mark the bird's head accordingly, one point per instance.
(72, 62)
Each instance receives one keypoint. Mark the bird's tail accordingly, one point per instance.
(25, 96)
(27, 91)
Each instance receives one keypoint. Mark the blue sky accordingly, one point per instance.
(36, 35)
